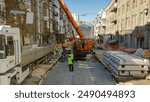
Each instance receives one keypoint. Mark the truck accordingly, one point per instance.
(16, 64)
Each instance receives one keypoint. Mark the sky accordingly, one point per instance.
(88, 7)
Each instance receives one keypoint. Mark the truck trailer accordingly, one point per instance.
(16, 65)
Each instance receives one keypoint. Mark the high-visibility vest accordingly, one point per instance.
(71, 55)
(70, 60)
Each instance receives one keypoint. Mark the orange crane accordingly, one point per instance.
(84, 46)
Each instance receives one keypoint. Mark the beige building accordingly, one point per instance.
(100, 23)
(111, 23)
(128, 21)
(132, 22)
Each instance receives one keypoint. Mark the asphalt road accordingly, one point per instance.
(86, 72)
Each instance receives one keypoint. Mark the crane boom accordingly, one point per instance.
(81, 47)
(71, 19)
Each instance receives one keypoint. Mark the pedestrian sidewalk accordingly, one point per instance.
(40, 71)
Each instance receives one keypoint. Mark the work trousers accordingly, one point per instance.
(71, 67)
(57, 53)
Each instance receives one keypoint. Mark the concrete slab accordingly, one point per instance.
(41, 70)
(137, 82)
(126, 59)
(125, 80)
(44, 66)
(31, 81)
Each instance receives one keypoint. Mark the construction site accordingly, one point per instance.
(43, 43)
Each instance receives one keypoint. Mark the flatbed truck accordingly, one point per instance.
(16, 65)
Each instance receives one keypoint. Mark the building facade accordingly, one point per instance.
(100, 23)
(40, 21)
(129, 22)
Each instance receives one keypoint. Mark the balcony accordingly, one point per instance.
(114, 21)
(113, 18)
(114, 7)
(103, 23)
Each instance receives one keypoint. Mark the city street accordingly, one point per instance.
(87, 72)
(39, 30)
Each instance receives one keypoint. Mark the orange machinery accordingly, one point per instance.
(82, 46)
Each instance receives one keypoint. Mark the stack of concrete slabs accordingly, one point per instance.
(124, 64)
(106, 56)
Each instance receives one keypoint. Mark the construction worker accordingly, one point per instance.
(93, 56)
(70, 63)
(56, 50)
(72, 56)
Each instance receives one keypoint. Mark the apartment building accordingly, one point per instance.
(97, 24)
(64, 26)
(133, 21)
(128, 21)
(38, 20)
(133, 18)
(100, 23)
(111, 11)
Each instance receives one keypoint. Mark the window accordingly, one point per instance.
(123, 8)
(10, 44)
(118, 11)
(141, 18)
(2, 43)
(134, 3)
(2, 46)
(1, 11)
(135, 19)
(141, 1)
(128, 6)
(127, 23)
(132, 18)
